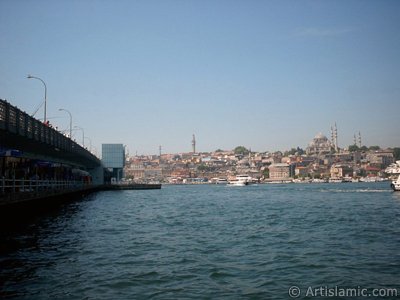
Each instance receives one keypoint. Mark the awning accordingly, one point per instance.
(11, 153)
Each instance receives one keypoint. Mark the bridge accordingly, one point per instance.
(37, 160)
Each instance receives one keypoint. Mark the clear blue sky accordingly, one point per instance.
(268, 75)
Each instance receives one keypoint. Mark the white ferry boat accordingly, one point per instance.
(241, 180)
(221, 181)
(394, 169)
(395, 185)
(237, 183)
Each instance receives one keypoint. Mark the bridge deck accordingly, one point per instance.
(20, 131)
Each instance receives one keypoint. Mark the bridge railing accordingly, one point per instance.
(15, 121)
(13, 186)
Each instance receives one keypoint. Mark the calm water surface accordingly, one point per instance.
(208, 241)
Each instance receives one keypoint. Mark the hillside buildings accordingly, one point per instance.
(321, 160)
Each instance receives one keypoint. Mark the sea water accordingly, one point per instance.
(208, 242)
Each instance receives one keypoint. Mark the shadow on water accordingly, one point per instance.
(21, 227)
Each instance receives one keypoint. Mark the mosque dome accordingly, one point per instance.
(319, 144)
(320, 136)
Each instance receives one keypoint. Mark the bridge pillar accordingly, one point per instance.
(97, 175)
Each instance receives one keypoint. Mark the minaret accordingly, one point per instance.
(159, 149)
(359, 139)
(336, 139)
(194, 144)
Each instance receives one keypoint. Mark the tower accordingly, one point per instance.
(359, 139)
(194, 144)
(159, 149)
(335, 134)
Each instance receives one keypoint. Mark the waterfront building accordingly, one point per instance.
(301, 171)
(280, 171)
(344, 156)
(319, 145)
(381, 158)
(135, 170)
(155, 173)
(340, 171)
(372, 171)
(113, 158)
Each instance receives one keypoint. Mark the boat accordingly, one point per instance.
(221, 181)
(237, 183)
(336, 180)
(395, 185)
(319, 180)
(394, 169)
(241, 180)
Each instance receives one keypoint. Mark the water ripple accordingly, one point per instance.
(207, 242)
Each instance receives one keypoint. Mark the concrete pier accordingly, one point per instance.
(47, 196)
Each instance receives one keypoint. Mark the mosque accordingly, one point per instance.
(319, 145)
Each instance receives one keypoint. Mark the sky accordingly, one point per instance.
(265, 74)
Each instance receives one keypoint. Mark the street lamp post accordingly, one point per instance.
(45, 95)
(70, 121)
(83, 135)
(90, 143)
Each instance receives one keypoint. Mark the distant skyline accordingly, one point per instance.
(267, 75)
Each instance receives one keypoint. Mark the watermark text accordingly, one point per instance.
(337, 291)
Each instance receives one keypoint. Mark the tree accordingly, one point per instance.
(203, 168)
(266, 173)
(299, 151)
(219, 150)
(290, 152)
(353, 148)
(241, 150)
(294, 151)
(374, 148)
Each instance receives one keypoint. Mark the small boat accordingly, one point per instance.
(319, 180)
(336, 180)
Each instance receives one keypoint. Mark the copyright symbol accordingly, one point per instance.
(294, 292)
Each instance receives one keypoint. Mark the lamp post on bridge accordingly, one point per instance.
(70, 121)
(83, 135)
(90, 143)
(45, 95)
